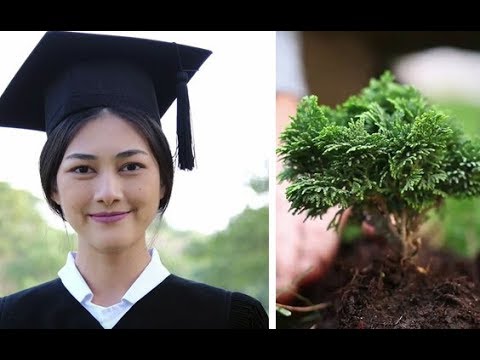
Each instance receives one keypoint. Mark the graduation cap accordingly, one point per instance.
(68, 72)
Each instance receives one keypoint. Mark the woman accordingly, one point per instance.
(107, 169)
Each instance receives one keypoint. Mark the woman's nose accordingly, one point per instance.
(108, 189)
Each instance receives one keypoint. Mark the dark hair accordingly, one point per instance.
(59, 139)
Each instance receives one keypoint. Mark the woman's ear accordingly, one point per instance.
(55, 197)
(162, 191)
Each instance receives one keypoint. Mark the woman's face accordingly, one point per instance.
(108, 185)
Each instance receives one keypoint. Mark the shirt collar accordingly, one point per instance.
(153, 274)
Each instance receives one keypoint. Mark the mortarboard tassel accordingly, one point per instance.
(184, 131)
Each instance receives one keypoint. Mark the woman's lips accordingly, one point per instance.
(106, 218)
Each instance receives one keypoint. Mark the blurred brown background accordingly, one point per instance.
(340, 63)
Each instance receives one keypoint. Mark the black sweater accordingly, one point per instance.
(176, 303)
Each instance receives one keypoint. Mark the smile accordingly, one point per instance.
(106, 218)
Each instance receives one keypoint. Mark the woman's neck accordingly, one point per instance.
(110, 274)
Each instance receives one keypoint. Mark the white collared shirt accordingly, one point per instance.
(153, 274)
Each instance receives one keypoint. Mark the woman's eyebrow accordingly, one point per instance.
(81, 156)
(123, 154)
(128, 153)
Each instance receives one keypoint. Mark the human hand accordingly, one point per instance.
(305, 249)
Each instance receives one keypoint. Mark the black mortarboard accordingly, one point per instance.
(68, 72)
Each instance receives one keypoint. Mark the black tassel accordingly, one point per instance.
(184, 131)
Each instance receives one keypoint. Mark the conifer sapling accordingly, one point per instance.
(386, 153)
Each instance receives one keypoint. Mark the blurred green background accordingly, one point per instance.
(457, 225)
(235, 258)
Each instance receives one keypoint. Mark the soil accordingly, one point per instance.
(368, 288)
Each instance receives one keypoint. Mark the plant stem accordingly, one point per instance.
(404, 238)
(304, 308)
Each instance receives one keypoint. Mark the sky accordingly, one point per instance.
(232, 101)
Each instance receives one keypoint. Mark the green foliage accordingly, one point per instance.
(237, 257)
(173, 244)
(259, 184)
(30, 251)
(386, 152)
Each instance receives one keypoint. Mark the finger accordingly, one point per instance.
(318, 248)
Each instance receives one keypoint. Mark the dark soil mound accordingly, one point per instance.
(368, 288)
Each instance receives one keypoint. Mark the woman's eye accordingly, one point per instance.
(81, 170)
(132, 167)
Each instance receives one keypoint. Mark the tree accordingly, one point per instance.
(30, 251)
(236, 258)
